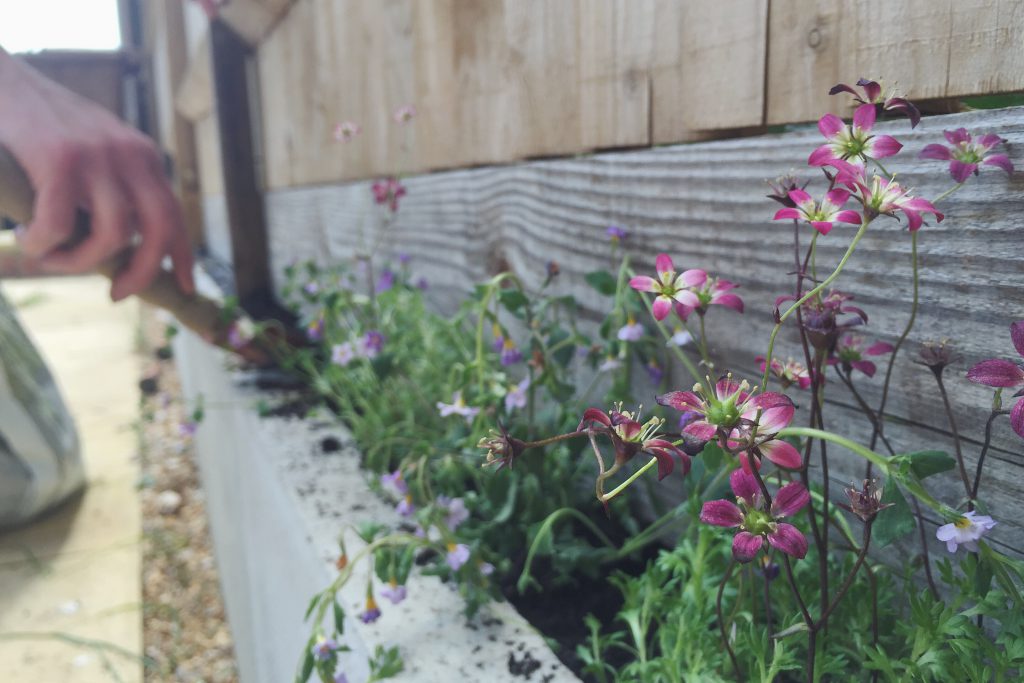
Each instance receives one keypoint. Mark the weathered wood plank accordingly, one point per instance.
(705, 204)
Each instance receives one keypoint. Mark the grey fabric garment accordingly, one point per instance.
(40, 462)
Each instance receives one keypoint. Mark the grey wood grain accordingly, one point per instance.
(704, 204)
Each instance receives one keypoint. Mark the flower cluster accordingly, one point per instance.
(686, 292)
(629, 437)
(1005, 374)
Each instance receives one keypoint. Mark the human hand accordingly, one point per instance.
(78, 156)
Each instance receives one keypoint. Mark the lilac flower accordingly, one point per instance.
(343, 354)
(486, 568)
(965, 531)
(499, 338)
(887, 99)
(422, 284)
(516, 396)
(394, 484)
(510, 353)
(610, 364)
(757, 525)
(188, 428)
(371, 344)
(854, 141)
(996, 372)
(315, 329)
(311, 288)
(404, 258)
(394, 592)
(966, 153)
(323, 648)
(346, 131)
(654, 371)
(457, 407)
(386, 281)
(458, 555)
(340, 677)
(615, 234)
(820, 215)
(404, 114)
(405, 507)
(680, 337)
(671, 288)
(372, 611)
(632, 331)
(850, 352)
(456, 509)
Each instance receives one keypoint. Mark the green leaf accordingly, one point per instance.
(926, 463)
(602, 281)
(713, 456)
(339, 618)
(510, 503)
(307, 665)
(513, 299)
(983, 577)
(894, 522)
(312, 605)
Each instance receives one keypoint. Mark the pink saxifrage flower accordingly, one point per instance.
(757, 525)
(346, 131)
(742, 418)
(388, 191)
(888, 99)
(965, 531)
(789, 373)
(850, 352)
(671, 288)
(1005, 374)
(965, 153)
(884, 196)
(404, 114)
(821, 215)
(710, 291)
(629, 437)
(854, 141)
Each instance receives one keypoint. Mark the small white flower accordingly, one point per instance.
(631, 332)
(457, 407)
(965, 531)
(680, 337)
(342, 354)
(609, 364)
(516, 396)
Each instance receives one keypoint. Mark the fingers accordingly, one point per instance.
(110, 229)
(54, 218)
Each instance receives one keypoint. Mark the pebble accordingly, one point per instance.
(168, 502)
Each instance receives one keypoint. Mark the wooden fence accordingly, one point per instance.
(500, 81)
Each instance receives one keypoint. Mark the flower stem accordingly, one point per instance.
(721, 620)
(984, 452)
(956, 438)
(823, 619)
(633, 477)
(818, 288)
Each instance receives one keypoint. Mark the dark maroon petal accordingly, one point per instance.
(665, 464)
(782, 453)
(996, 372)
(682, 401)
(1017, 335)
(865, 366)
(961, 171)
(791, 499)
(1017, 418)
(721, 513)
(935, 151)
(871, 88)
(686, 462)
(957, 136)
(745, 487)
(842, 87)
(1000, 160)
(790, 540)
(729, 301)
(594, 415)
(745, 546)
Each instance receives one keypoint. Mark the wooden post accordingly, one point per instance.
(246, 221)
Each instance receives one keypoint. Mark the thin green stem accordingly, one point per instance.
(633, 477)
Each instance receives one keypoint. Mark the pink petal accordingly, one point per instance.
(729, 301)
(922, 205)
(1017, 335)
(837, 197)
(847, 216)
(745, 487)
(864, 117)
(865, 366)
(787, 213)
(996, 373)
(701, 430)
(871, 88)
(770, 399)
(745, 546)
(790, 540)
(682, 401)
(595, 415)
(721, 513)
(683, 312)
(791, 499)
(830, 125)
(957, 136)
(989, 140)
(782, 453)
(934, 151)
(644, 284)
(800, 197)
(663, 264)
(878, 348)
(961, 171)
(1017, 418)
(686, 298)
(823, 156)
(661, 307)
(883, 146)
(824, 227)
(695, 277)
(775, 419)
(1000, 160)
(726, 387)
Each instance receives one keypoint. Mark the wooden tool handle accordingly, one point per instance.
(198, 313)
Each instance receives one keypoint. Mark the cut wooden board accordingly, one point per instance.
(704, 203)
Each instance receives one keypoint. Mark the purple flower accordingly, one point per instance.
(456, 509)
(884, 196)
(187, 428)
(394, 592)
(458, 555)
(312, 288)
(388, 191)
(854, 141)
(394, 484)
(422, 284)
(965, 154)
(821, 215)
(241, 333)
(996, 372)
(850, 352)
(517, 396)
(887, 99)
(510, 353)
(405, 507)
(965, 531)
(343, 354)
(757, 525)
(486, 568)
(371, 344)
(680, 337)
(372, 612)
(315, 329)
(615, 233)
(457, 407)
(386, 280)
(323, 648)
(404, 258)
(632, 331)
(654, 371)
(340, 677)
